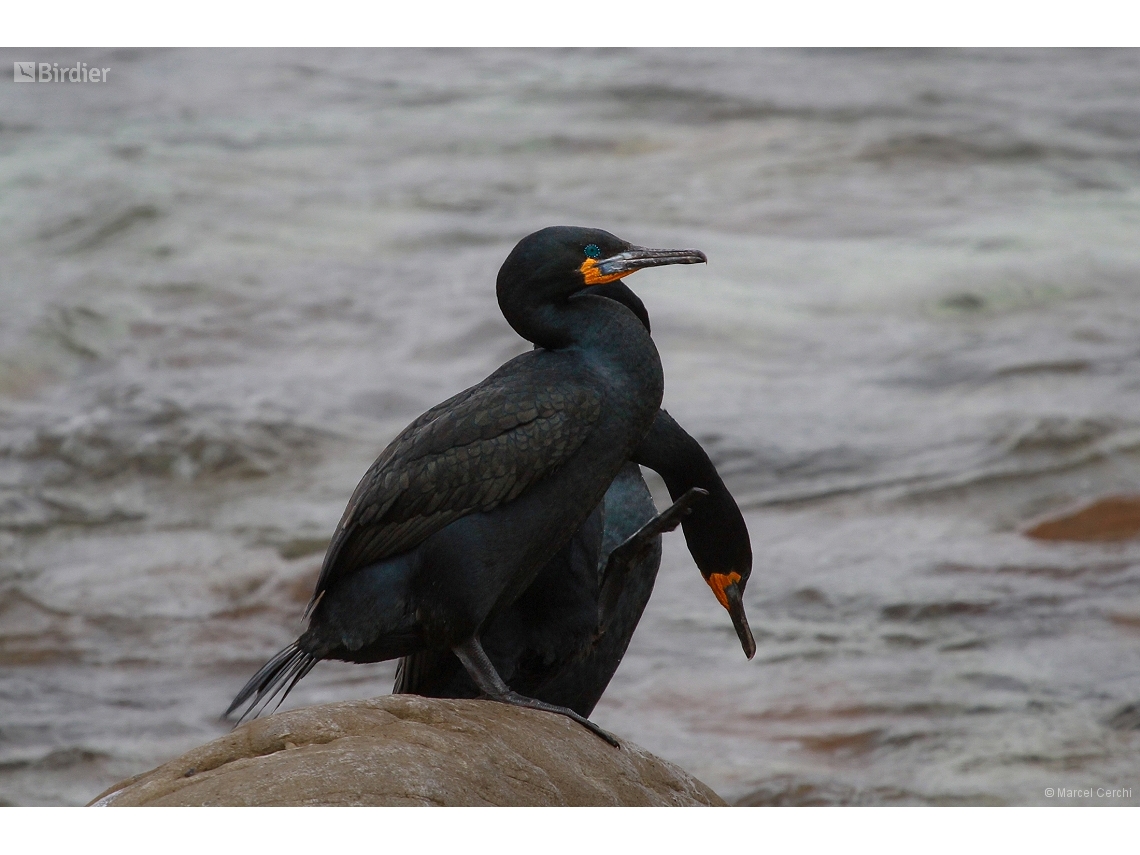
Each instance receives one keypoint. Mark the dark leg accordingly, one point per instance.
(636, 547)
(475, 660)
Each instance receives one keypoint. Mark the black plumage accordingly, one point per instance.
(462, 510)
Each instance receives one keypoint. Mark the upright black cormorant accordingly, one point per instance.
(562, 640)
(461, 511)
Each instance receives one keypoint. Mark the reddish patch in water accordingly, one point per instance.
(13, 654)
(1128, 622)
(860, 742)
(1109, 519)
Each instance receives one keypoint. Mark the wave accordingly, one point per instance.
(164, 439)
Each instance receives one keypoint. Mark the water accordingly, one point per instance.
(229, 278)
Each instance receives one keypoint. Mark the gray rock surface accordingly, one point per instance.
(408, 750)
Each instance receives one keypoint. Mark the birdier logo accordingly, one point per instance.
(50, 72)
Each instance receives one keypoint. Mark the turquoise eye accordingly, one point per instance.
(592, 251)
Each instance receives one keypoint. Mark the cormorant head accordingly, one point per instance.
(718, 540)
(552, 264)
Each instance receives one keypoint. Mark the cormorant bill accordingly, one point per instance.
(459, 513)
(563, 639)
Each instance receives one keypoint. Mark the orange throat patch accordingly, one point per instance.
(719, 581)
(590, 273)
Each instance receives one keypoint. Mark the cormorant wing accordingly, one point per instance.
(476, 451)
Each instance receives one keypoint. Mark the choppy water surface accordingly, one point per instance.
(229, 278)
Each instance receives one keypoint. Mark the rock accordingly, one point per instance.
(408, 750)
(1110, 518)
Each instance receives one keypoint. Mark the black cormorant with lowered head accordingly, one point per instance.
(563, 639)
(463, 508)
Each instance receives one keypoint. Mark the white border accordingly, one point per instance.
(668, 23)
(552, 831)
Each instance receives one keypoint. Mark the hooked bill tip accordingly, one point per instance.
(740, 619)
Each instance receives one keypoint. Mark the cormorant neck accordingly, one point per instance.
(715, 530)
(556, 324)
(546, 324)
(619, 292)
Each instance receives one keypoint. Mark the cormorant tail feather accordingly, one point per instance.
(276, 677)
